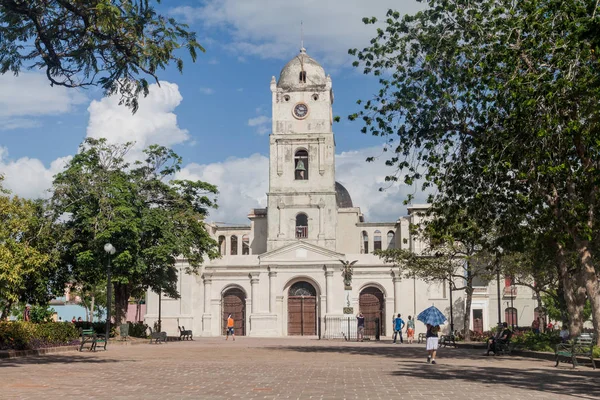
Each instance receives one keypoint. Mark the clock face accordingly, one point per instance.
(300, 110)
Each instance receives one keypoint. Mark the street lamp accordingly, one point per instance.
(110, 250)
(451, 314)
(500, 251)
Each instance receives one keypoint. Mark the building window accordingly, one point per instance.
(222, 245)
(233, 245)
(245, 245)
(302, 76)
(391, 240)
(301, 226)
(365, 238)
(301, 165)
(510, 316)
(377, 240)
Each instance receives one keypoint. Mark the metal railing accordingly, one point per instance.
(346, 328)
(301, 232)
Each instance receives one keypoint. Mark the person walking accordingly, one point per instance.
(230, 328)
(410, 330)
(360, 329)
(432, 342)
(398, 326)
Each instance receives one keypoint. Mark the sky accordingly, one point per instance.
(217, 114)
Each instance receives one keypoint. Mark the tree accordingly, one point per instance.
(28, 254)
(452, 252)
(494, 103)
(149, 220)
(114, 44)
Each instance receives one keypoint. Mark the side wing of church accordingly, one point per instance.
(281, 275)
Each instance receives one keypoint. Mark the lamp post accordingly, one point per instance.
(451, 315)
(512, 307)
(500, 251)
(110, 250)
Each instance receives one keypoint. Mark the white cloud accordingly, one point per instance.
(205, 90)
(153, 123)
(267, 30)
(29, 177)
(29, 95)
(262, 119)
(244, 182)
(262, 123)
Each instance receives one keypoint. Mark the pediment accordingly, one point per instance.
(301, 253)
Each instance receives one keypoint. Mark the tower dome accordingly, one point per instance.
(302, 73)
(342, 196)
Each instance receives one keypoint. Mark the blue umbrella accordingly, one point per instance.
(431, 316)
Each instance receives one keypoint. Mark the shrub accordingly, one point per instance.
(138, 329)
(27, 335)
(540, 342)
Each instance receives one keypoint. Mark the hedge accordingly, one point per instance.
(19, 335)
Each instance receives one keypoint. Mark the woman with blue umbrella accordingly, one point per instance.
(433, 318)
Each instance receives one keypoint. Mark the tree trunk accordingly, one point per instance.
(589, 278)
(91, 319)
(122, 294)
(574, 293)
(467, 322)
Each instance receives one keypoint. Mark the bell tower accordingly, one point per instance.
(302, 198)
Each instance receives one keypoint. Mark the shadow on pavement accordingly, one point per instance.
(581, 382)
(74, 358)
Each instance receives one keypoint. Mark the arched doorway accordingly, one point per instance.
(302, 310)
(234, 303)
(372, 305)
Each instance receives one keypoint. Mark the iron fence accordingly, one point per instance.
(346, 328)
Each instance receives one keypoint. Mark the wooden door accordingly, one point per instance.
(371, 305)
(478, 320)
(234, 303)
(302, 316)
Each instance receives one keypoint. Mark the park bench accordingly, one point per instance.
(185, 333)
(91, 338)
(503, 346)
(157, 336)
(421, 338)
(447, 340)
(582, 346)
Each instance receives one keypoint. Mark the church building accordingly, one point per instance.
(282, 273)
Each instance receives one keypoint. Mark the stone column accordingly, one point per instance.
(396, 279)
(272, 278)
(329, 288)
(254, 291)
(207, 292)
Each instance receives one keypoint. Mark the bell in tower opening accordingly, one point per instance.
(301, 165)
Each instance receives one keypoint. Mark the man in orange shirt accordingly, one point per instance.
(230, 327)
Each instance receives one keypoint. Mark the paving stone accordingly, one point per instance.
(289, 368)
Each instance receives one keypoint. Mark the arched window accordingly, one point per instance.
(302, 76)
(391, 240)
(365, 239)
(245, 245)
(510, 316)
(377, 240)
(301, 165)
(233, 245)
(301, 226)
(222, 245)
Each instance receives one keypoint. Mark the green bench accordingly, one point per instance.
(91, 338)
(582, 346)
(447, 340)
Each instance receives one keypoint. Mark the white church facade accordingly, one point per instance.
(280, 275)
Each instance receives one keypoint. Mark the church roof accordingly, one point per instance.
(342, 196)
(290, 80)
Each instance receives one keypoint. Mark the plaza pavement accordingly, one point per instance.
(289, 368)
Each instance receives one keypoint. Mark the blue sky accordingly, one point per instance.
(216, 114)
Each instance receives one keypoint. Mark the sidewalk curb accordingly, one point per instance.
(7, 354)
